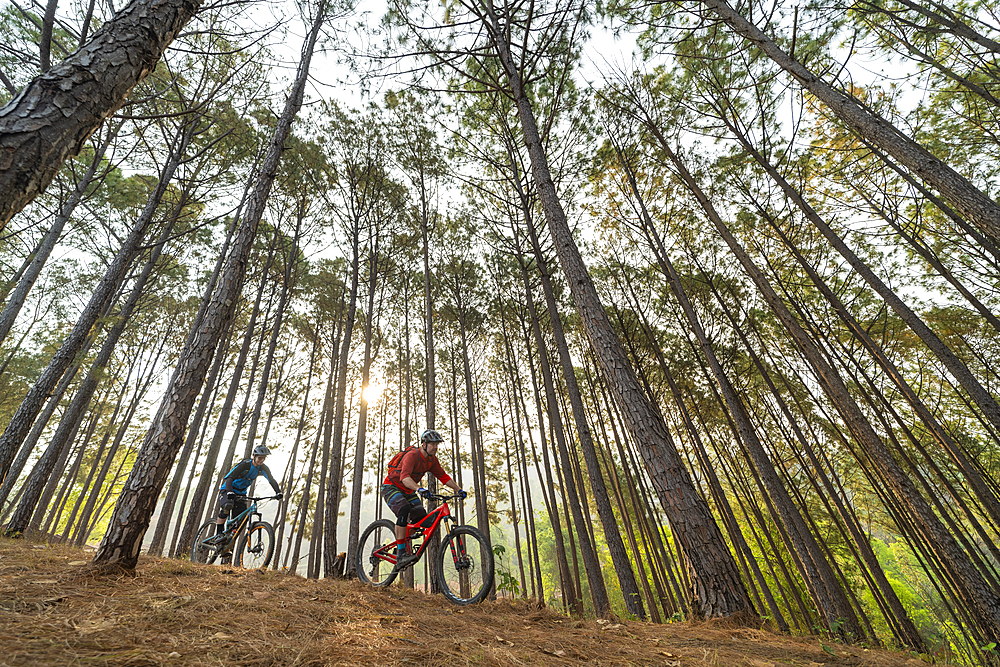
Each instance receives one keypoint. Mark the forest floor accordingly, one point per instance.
(55, 611)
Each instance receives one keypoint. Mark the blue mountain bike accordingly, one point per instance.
(253, 539)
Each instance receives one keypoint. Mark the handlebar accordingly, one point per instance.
(255, 499)
(442, 498)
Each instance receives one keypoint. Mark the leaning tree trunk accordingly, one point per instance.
(41, 254)
(983, 601)
(829, 596)
(977, 393)
(121, 544)
(619, 557)
(74, 413)
(170, 499)
(598, 589)
(107, 288)
(569, 593)
(716, 588)
(53, 116)
(955, 188)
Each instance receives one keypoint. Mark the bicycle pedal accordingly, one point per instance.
(403, 562)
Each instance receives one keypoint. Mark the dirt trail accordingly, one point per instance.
(54, 611)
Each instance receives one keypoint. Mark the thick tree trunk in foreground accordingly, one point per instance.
(716, 588)
(53, 116)
(121, 544)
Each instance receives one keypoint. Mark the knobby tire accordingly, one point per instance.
(255, 547)
(201, 553)
(371, 569)
(465, 566)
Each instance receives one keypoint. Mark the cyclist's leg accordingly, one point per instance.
(225, 504)
(237, 505)
(407, 508)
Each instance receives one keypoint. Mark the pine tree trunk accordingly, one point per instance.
(598, 590)
(103, 296)
(354, 528)
(289, 481)
(332, 499)
(955, 188)
(51, 118)
(207, 399)
(983, 600)
(74, 413)
(90, 515)
(716, 586)
(41, 254)
(121, 544)
(196, 509)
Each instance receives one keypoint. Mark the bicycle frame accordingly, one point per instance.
(414, 530)
(244, 518)
(240, 522)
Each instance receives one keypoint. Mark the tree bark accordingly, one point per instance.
(716, 586)
(53, 116)
(121, 544)
(955, 188)
(332, 500)
(984, 602)
(103, 296)
(354, 528)
(41, 254)
(74, 413)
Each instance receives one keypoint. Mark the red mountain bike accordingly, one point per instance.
(464, 565)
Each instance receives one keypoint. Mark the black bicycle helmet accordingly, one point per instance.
(261, 450)
(430, 435)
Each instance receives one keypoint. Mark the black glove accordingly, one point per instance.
(462, 494)
(423, 493)
(279, 495)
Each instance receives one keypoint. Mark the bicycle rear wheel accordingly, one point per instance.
(255, 547)
(465, 566)
(375, 561)
(201, 552)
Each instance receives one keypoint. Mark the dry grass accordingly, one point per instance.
(55, 611)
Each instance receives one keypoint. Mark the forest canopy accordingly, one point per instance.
(702, 295)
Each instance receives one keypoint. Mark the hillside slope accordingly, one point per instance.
(54, 611)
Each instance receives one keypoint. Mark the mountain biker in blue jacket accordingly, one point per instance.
(233, 492)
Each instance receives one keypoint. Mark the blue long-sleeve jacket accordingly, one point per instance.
(239, 479)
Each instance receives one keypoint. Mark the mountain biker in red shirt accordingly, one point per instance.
(402, 484)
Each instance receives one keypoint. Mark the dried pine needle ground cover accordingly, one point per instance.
(54, 611)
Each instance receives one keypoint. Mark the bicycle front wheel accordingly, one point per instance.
(465, 566)
(376, 560)
(201, 552)
(256, 546)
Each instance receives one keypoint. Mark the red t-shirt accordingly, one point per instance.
(413, 465)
